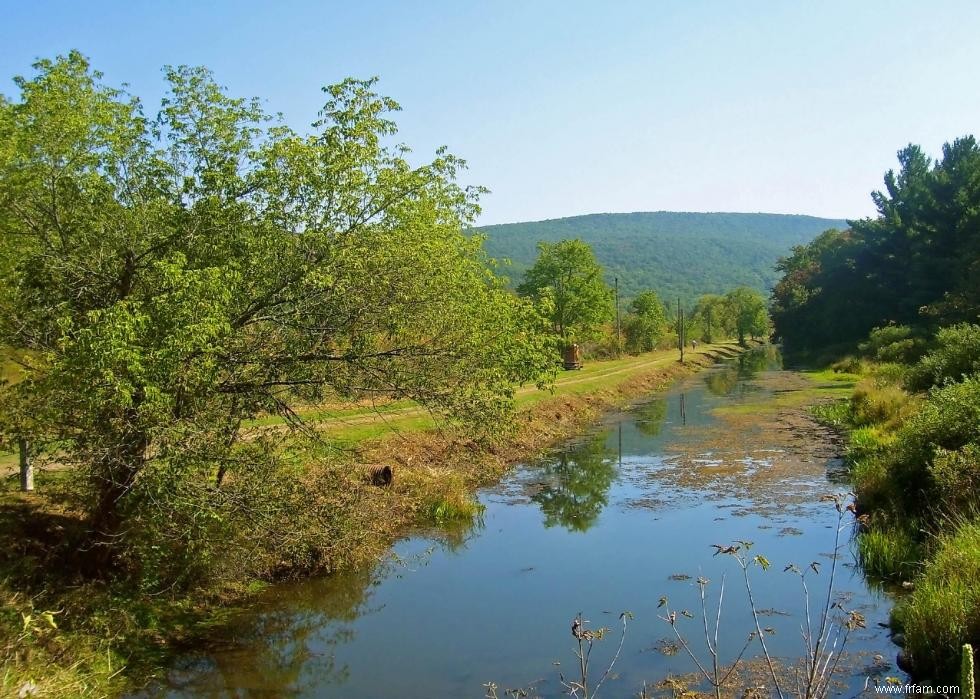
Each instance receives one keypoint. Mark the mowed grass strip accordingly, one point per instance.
(361, 423)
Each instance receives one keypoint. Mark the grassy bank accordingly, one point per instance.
(912, 450)
(64, 635)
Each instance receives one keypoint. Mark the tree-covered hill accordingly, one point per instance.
(675, 253)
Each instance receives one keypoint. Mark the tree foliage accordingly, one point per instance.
(711, 319)
(566, 283)
(915, 264)
(748, 313)
(647, 322)
(169, 278)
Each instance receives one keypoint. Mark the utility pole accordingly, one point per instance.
(711, 338)
(619, 339)
(680, 329)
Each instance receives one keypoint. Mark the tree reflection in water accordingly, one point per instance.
(725, 381)
(282, 651)
(650, 417)
(575, 484)
(276, 650)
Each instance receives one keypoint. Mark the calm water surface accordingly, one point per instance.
(610, 522)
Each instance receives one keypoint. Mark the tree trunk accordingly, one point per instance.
(118, 474)
(26, 466)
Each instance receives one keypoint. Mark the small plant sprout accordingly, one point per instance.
(586, 638)
(715, 677)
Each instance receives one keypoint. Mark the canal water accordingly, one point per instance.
(611, 522)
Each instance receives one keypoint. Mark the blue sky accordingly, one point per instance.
(567, 107)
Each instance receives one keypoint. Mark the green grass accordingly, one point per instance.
(878, 403)
(943, 612)
(832, 376)
(889, 552)
(350, 426)
(836, 414)
(864, 442)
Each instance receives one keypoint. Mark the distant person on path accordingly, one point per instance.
(694, 344)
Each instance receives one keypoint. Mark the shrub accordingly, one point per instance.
(669, 341)
(956, 478)
(956, 355)
(948, 420)
(868, 441)
(873, 484)
(943, 612)
(850, 365)
(893, 343)
(891, 373)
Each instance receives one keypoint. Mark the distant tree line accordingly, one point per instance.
(677, 254)
(566, 283)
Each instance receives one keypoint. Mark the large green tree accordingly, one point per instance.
(749, 313)
(168, 278)
(566, 283)
(647, 322)
(711, 318)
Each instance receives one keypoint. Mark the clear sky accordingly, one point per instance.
(565, 107)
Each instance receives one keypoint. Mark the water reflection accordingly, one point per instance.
(575, 483)
(493, 602)
(732, 378)
(649, 418)
(281, 651)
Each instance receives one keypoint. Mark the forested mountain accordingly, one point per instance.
(675, 253)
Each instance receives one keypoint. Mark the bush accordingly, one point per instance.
(894, 343)
(943, 612)
(873, 484)
(948, 420)
(956, 355)
(668, 341)
(956, 477)
(864, 442)
(891, 373)
(850, 365)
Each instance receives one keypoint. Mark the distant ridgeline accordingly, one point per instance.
(674, 253)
